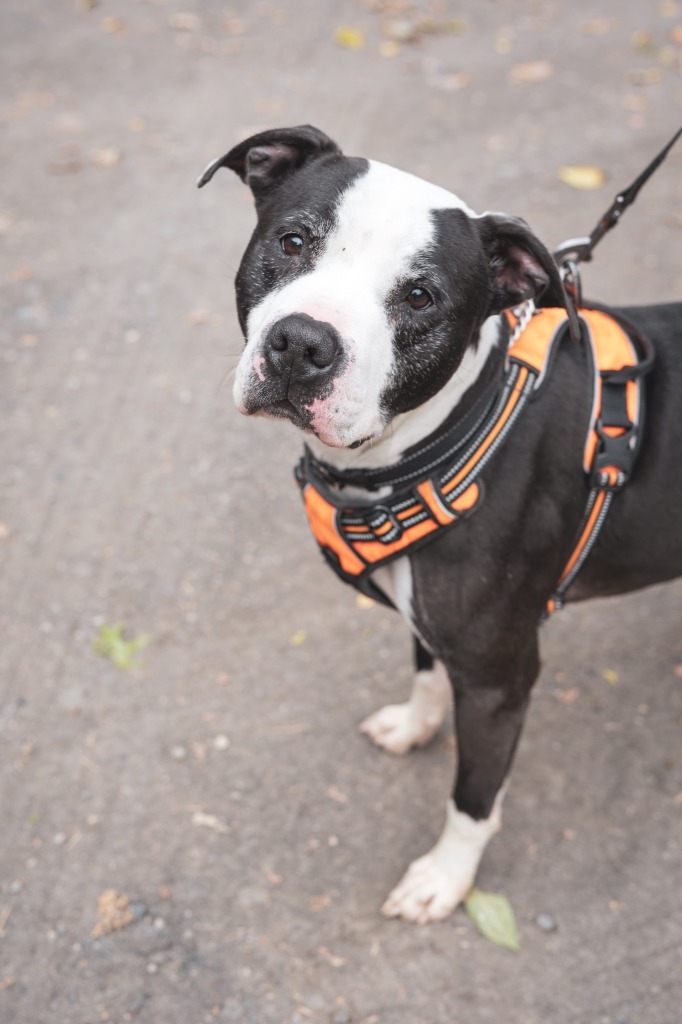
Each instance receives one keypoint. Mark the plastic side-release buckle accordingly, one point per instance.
(615, 458)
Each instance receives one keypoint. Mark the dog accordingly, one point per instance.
(373, 309)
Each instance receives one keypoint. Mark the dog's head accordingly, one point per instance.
(363, 286)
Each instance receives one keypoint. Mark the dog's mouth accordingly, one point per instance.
(285, 409)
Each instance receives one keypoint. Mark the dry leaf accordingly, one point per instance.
(184, 21)
(298, 638)
(645, 76)
(331, 958)
(641, 40)
(202, 820)
(531, 71)
(349, 38)
(105, 156)
(337, 795)
(610, 676)
(584, 176)
(389, 48)
(112, 25)
(113, 912)
(567, 696)
(595, 26)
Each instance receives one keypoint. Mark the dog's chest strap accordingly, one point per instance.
(357, 536)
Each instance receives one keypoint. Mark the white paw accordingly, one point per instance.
(397, 728)
(436, 883)
(428, 891)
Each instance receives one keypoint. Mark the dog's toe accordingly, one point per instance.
(427, 892)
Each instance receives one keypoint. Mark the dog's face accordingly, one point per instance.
(362, 286)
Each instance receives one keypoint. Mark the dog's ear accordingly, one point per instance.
(266, 159)
(519, 265)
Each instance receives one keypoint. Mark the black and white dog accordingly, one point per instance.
(371, 304)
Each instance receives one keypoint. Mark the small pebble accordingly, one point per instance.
(546, 923)
(179, 753)
(221, 742)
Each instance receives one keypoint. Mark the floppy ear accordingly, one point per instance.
(519, 266)
(266, 159)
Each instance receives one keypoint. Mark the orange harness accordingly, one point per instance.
(357, 537)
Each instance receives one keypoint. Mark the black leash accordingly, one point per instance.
(579, 250)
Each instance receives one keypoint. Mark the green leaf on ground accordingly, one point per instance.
(493, 916)
(111, 644)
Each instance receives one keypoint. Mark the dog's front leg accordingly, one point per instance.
(488, 724)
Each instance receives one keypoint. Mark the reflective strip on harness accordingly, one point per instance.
(357, 538)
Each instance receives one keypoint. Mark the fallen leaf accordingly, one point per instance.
(645, 76)
(336, 794)
(202, 820)
(331, 958)
(493, 916)
(595, 26)
(641, 40)
(184, 21)
(389, 48)
(567, 696)
(583, 176)
(110, 644)
(349, 38)
(112, 25)
(610, 676)
(298, 638)
(531, 71)
(235, 26)
(113, 912)
(364, 602)
(105, 156)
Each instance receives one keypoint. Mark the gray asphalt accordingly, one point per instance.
(220, 785)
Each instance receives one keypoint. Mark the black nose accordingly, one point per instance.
(307, 349)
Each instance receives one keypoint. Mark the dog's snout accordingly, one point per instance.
(302, 345)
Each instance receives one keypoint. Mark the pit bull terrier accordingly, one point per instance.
(373, 307)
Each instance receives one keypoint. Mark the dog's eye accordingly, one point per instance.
(292, 244)
(419, 298)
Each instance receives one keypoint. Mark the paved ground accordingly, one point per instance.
(221, 786)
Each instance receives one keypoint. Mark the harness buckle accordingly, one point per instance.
(613, 462)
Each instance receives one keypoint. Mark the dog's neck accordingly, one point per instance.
(411, 428)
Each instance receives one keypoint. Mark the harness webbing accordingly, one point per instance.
(358, 535)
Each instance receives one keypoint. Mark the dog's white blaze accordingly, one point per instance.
(383, 219)
(436, 883)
